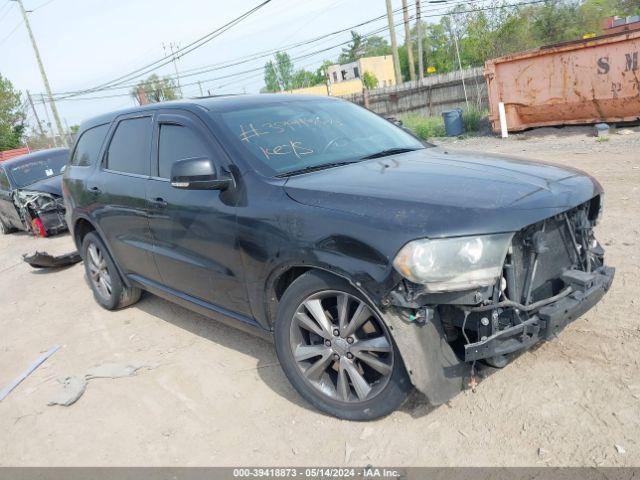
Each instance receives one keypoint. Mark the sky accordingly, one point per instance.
(86, 42)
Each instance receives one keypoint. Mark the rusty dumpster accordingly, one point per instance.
(584, 81)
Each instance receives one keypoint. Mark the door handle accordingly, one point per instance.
(159, 202)
(95, 190)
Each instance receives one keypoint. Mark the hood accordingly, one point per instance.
(52, 185)
(445, 193)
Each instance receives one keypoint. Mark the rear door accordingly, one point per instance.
(8, 210)
(194, 230)
(119, 191)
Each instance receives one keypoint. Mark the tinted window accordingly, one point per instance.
(4, 181)
(290, 135)
(130, 146)
(39, 168)
(88, 146)
(177, 143)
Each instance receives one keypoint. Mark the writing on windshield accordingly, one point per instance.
(293, 134)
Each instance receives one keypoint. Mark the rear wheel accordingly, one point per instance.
(108, 288)
(336, 351)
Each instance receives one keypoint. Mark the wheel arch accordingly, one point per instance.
(83, 226)
(283, 277)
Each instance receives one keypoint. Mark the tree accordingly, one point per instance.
(12, 117)
(279, 75)
(369, 80)
(360, 47)
(156, 89)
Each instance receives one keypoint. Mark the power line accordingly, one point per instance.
(6, 12)
(255, 69)
(179, 53)
(260, 68)
(42, 5)
(14, 30)
(252, 57)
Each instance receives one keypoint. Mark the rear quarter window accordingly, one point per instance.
(88, 146)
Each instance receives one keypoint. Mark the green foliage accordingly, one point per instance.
(12, 117)
(279, 75)
(482, 33)
(157, 89)
(360, 46)
(429, 127)
(425, 127)
(472, 118)
(369, 80)
(486, 34)
(602, 139)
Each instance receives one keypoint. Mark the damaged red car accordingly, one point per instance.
(31, 193)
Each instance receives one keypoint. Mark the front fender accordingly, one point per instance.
(433, 367)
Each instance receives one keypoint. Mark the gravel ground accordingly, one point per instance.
(216, 396)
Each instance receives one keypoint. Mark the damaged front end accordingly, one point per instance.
(41, 213)
(553, 272)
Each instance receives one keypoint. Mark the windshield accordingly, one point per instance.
(38, 169)
(296, 135)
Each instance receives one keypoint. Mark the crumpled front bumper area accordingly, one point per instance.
(41, 213)
(587, 288)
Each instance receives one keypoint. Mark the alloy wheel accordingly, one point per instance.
(98, 271)
(341, 346)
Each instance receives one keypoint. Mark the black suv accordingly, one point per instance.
(377, 261)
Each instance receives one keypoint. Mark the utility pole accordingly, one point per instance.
(407, 40)
(35, 114)
(49, 124)
(54, 110)
(419, 35)
(69, 135)
(394, 43)
(175, 65)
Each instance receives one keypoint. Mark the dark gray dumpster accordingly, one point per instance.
(453, 125)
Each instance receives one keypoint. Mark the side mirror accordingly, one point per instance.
(197, 174)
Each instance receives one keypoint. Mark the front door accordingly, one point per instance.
(194, 230)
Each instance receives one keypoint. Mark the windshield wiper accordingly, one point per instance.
(387, 152)
(315, 168)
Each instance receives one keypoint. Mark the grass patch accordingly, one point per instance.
(472, 118)
(602, 139)
(429, 127)
(425, 127)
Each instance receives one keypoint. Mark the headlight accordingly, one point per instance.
(452, 264)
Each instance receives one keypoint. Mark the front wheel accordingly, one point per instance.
(4, 229)
(336, 351)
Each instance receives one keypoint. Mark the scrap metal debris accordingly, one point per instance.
(39, 361)
(44, 260)
(73, 387)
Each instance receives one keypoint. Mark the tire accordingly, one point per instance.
(4, 229)
(336, 351)
(103, 277)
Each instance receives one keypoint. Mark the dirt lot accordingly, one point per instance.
(216, 396)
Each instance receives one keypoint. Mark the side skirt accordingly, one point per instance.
(207, 309)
